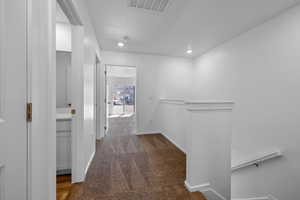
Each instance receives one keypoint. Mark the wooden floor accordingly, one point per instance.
(146, 167)
(63, 186)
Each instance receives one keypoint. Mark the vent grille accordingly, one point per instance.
(154, 5)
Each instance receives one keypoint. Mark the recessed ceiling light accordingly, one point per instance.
(189, 51)
(121, 44)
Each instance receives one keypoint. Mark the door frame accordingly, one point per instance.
(105, 93)
(98, 96)
(41, 92)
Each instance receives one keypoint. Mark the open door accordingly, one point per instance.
(13, 87)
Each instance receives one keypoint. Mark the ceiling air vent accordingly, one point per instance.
(154, 5)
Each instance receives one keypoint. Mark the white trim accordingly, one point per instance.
(2, 64)
(148, 133)
(258, 160)
(173, 142)
(204, 189)
(194, 106)
(195, 103)
(172, 101)
(69, 8)
(196, 188)
(214, 192)
(78, 157)
(40, 39)
(89, 164)
(209, 102)
(207, 109)
(269, 197)
(2, 182)
(254, 198)
(198, 106)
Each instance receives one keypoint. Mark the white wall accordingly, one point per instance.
(63, 76)
(91, 50)
(151, 85)
(260, 72)
(173, 83)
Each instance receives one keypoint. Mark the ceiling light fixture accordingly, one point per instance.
(189, 51)
(121, 44)
(123, 41)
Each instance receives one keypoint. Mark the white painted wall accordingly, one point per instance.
(260, 71)
(91, 50)
(150, 82)
(172, 82)
(63, 76)
(89, 116)
(208, 140)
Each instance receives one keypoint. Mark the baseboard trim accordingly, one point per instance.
(254, 198)
(89, 164)
(196, 188)
(215, 194)
(148, 133)
(269, 197)
(205, 189)
(173, 142)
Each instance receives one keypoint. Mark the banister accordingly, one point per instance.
(257, 161)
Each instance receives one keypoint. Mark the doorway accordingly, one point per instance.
(70, 81)
(120, 93)
(64, 117)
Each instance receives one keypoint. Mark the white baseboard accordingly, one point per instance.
(196, 188)
(269, 197)
(173, 142)
(89, 164)
(212, 194)
(254, 198)
(148, 133)
(206, 190)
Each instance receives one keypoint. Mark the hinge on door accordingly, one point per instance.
(29, 112)
(105, 72)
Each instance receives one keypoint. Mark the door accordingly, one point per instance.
(95, 96)
(13, 125)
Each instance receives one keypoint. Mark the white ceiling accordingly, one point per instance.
(201, 24)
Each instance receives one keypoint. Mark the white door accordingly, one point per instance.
(13, 125)
(95, 97)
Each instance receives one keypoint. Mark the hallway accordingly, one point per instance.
(134, 168)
